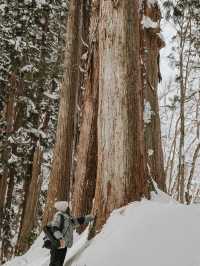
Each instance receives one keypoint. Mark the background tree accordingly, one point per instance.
(183, 104)
(32, 39)
(151, 43)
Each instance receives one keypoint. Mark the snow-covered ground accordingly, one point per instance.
(160, 232)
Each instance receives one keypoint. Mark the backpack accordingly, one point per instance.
(50, 242)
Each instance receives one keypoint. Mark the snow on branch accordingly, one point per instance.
(13, 159)
(84, 56)
(52, 96)
(29, 68)
(151, 3)
(2, 8)
(38, 133)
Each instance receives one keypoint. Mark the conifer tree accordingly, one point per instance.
(32, 37)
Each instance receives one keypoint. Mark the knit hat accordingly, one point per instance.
(61, 206)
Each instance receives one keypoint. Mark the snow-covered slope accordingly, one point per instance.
(159, 232)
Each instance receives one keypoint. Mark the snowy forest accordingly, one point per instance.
(100, 107)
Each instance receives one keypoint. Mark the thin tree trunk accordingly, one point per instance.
(6, 248)
(121, 164)
(30, 210)
(9, 117)
(172, 164)
(59, 185)
(194, 159)
(181, 166)
(7, 177)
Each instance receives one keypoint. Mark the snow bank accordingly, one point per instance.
(159, 232)
(36, 256)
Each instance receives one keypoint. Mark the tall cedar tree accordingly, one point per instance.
(86, 156)
(59, 184)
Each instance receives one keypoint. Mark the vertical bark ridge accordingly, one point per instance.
(59, 185)
(151, 45)
(86, 156)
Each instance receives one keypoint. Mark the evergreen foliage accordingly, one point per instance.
(32, 34)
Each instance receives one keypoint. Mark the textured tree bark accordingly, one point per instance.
(81, 88)
(151, 43)
(85, 172)
(4, 177)
(59, 184)
(6, 247)
(7, 178)
(25, 107)
(29, 214)
(121, 176)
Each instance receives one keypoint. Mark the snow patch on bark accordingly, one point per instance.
(161, 36)
(147, 112)
(147, 23)
(150, 152)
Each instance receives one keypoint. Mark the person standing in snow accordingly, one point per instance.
(62, 226)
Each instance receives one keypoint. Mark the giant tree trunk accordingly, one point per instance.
(151, 44)
(85, 172)
(59, 185)
(29, 214)
(121, 176)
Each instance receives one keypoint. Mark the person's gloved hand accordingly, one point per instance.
(62, 243)
(89, 218)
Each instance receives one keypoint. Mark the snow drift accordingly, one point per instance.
(160, 232)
